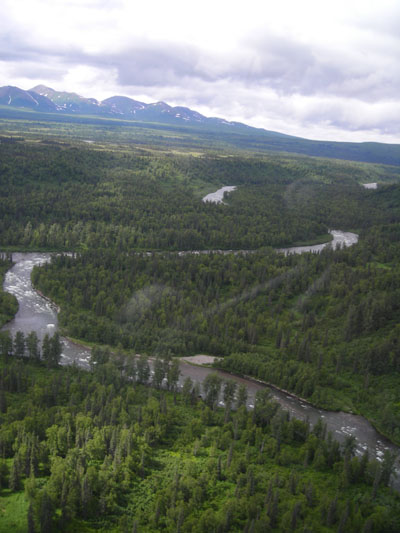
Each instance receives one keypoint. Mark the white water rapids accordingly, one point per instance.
(38, 314)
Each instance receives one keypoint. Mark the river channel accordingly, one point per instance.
(36, 313)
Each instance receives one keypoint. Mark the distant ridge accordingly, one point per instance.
(42, 99)
(46, 99)
(126, 108)
(15, 97)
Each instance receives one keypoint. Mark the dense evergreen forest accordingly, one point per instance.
(8, 302)
(325, 326)
(63, 197)
(104, 450)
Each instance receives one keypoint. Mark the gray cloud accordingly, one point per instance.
(284, 65)
(386, 23)
(154, 65)
(13, 48)
(277, 62)
(33, 70)
(292, 67)
(143, 64)
(270, 80)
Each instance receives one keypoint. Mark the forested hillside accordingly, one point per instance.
(8, 302)
(162, 125)
(57, 196)
(104, 451)
(96, 452)
(323, 326)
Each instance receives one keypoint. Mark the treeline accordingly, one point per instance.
(339, 344)
(323, 326)
(62, 197)
(164, 301)
(98, 451)
(8, 302)
(47, 351)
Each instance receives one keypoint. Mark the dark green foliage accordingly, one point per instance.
(8, 302)
(32, 345)
(6, 344)
(335, 314)
(58, 196)
(242, 396)
(159, 372)
(112, 455)
(30, 518)
(14, 481)
(101, 450)
(19, 344)
(229, 390)
(143, 369)
(173, 374)
(211, 387)
(51, 349)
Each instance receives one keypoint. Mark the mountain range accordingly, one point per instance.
(45, 99)
(70, 107)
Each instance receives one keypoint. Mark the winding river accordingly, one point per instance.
(36, 313)
(217, 197)
(339, 239)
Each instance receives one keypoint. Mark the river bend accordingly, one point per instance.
(37, 313)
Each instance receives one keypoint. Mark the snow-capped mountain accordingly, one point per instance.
(15, 97)
(42, 98)
(74, 108)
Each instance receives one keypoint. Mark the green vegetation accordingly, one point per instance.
(71, 197)
(195, 137)
(8, 302)
(323, 326)
(285, 320)
(104, 451)
(99, 451)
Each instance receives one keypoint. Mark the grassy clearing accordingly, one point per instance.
(13, 512)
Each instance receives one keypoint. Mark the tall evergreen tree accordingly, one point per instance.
(46, 350)
(32, 345)
(14, 482)
(211, 387)
(143, 369)
(159, 372)
(55, 349)
(19, 344)
(229, 396)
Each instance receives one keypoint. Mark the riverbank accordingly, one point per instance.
(8, 302)
(341, 424)
(53, 304)
(200, 360)
(319, 239)
(357, 411)
(187, 439)
(305, 401)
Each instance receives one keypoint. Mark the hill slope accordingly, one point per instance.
(70, 107)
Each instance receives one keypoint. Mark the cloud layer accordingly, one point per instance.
(319, 70)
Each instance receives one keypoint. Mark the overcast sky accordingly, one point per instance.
(321, 69)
